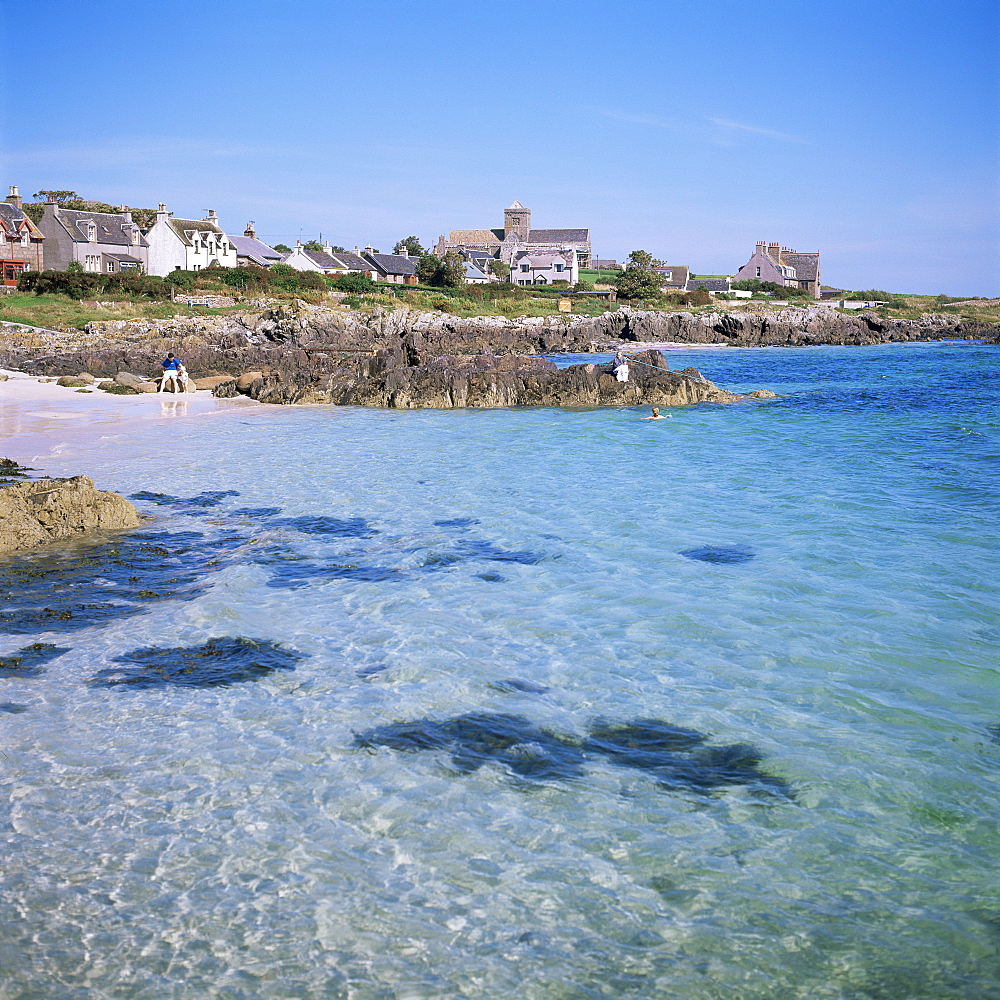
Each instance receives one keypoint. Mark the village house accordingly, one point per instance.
(711, 285)
(397, 268)
(784, 266)
(544, 267)
(100, 242)
(328, 261)
(250, 250)
(517, 236)
(674, 276)
(188, 244)
(21, 241)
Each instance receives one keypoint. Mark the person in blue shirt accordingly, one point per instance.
(171, 371)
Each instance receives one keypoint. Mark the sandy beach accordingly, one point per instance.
(39, 418)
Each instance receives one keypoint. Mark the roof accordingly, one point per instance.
(518, 206)
(260, 253)
(542, 257)
(475, 236)
(111, 228)
(678, 273)
(14, 218)
(123, 258)
(390, 263)
(181, 226)
(473, 272)
(352, 261)
(559, 236)
(319, 258)
(709, 284)
(806, 264)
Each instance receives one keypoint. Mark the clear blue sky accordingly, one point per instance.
(689, 128)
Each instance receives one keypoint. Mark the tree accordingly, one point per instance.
(411, 245)
(282, 248)
(500, 269)
(427, 268)
(311, 245)
(640, 279)
(57, 196)
(74, 267)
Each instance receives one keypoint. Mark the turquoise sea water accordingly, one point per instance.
(236, 842)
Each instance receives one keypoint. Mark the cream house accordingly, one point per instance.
(188, 244)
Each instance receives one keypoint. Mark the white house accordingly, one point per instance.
(543, 267)
(327, 261)
(188, 244)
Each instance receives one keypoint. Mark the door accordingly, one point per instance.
(12, 270)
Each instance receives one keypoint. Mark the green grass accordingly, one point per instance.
(598, 277)
(60, 312)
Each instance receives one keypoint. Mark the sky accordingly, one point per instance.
(869, 131)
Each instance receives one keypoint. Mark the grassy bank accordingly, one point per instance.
(60, 312)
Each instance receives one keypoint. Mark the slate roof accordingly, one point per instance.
(678, 274)
(390, 263)
(180, 225)
(475, 236)
(559, 236)
(110, 227)
(475, 274)
(258, 252)
(806, 264)
(709, 284)
(537, 258)
(352, 261)
(12, 219)
(320, 259)
(123, 258)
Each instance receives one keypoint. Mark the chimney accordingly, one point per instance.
(327, 249)
(14, 198)
(761, 246)
(370, 249)
(404, 252)
(212, 217)
(774, 249)
(161, 210)
(250, 231)
(357, 251)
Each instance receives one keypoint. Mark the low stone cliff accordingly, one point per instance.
(42, 511)
(450, 382)
(300, 338)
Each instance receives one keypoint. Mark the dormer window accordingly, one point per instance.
(135, 237)
(91, 232)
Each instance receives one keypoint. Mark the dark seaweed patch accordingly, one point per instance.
(718, 554)
(492, 577)
(27, 662)
(257, 511)
(11, 471)
(457, 522)
(475, 549)
(510, 684)
(677, 758)
(484, 738)
(218, 663)
(440, 560)
(12, 707)
(993, 732)
(210, 498)
(347, 527)
(292, 570)
(91, 585)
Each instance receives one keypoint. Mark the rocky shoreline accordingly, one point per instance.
(303, 353)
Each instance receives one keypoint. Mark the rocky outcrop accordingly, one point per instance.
(34, 513)
(451, 382)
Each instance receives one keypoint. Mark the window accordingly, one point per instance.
(525, 267)
(91, 232)
(559, 267)
(758, 272)
(24, 238)
(92, 263)
(111, 267)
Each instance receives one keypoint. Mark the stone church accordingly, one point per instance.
(516, 237)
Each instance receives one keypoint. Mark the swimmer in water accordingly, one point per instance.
(656, 415)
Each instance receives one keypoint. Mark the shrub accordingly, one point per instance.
(583, 286)
(357, 283)
(183, 280)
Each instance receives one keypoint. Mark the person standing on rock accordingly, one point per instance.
(620, 365)
(171, 370)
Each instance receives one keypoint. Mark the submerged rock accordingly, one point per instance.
(27, 662)
(210, 498)
(33, 513)
(62, 590)
(719, 554)
(217, 663)
(676, 758)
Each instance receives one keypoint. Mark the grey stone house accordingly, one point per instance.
(783, 266)
(398, 268)
(250, 250)
(21, 241)
(516, 236)
(675, 277)
(100, 242)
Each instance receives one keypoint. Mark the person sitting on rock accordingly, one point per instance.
(171, 370)
(620, 365)
(182, 377)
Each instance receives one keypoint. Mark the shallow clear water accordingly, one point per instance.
(234, 842)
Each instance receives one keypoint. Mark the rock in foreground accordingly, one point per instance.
(34, 513)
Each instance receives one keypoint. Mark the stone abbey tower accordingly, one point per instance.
(517, 219)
